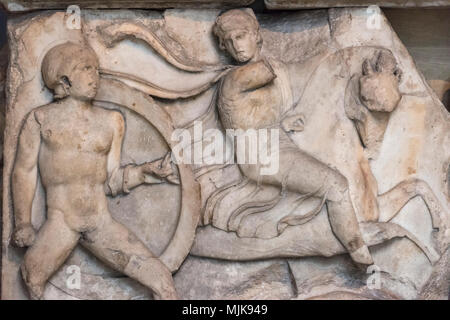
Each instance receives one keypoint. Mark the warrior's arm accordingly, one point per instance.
(24, 175)
(249, 77)
(123, 179)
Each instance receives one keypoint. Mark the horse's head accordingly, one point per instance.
(379, 85)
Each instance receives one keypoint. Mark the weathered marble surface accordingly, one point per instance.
(26, 5)
(417, 128)
(4, 54)
(303, 4)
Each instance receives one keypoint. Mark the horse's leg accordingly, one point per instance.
(369, 191)
(392, 201)
(314, 238)
(378, 232)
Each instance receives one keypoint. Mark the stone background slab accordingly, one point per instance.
(424, 32)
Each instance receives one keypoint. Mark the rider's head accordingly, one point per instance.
(238, 33)
(71, 69)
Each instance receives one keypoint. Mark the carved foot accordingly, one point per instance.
(36, 291)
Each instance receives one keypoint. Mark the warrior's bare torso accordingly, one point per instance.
(73, 156)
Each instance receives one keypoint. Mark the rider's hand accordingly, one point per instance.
(24, 235)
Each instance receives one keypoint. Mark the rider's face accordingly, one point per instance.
(241, 44)
(84, 81)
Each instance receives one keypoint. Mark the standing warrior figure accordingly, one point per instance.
(77, 148)
(257, 94)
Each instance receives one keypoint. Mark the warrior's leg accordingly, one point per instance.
(118, 247)
(54, 242)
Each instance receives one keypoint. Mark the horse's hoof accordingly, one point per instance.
(361, 257)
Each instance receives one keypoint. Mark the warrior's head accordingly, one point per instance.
(238, 33)
(71, 69)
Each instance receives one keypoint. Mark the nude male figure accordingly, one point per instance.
(76, 147)
(258, 94)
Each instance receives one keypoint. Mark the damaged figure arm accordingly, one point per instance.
(123, 179)
(249, 77)
(24, 179)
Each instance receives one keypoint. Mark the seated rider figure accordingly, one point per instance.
(257, 94)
